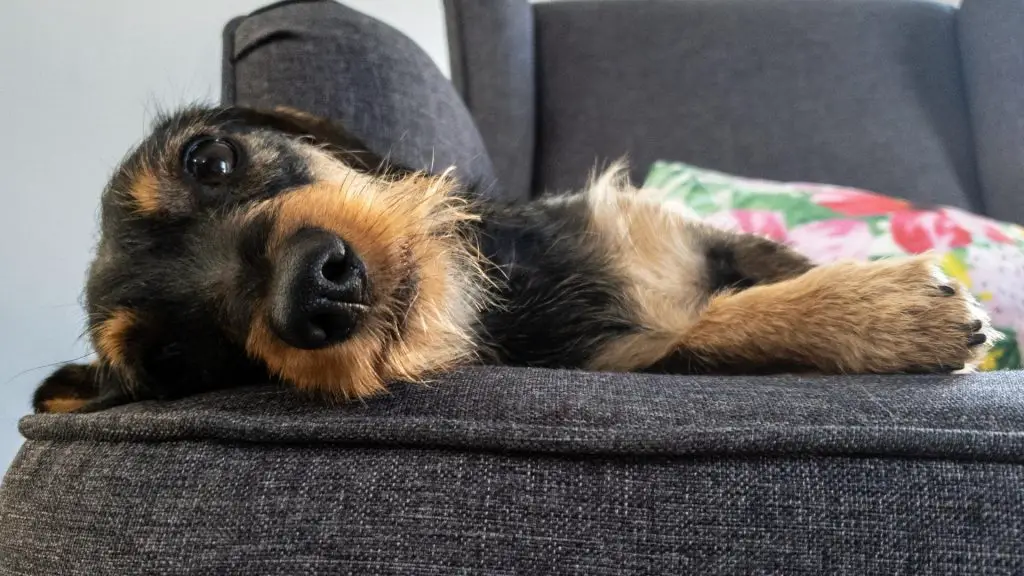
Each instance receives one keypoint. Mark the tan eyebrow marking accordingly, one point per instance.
(145, 191)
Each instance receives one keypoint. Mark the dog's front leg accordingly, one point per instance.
(876, 317)
(737, 261)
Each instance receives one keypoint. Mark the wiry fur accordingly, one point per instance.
(606, 279)
(412, 226)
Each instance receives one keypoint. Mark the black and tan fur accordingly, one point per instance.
(610, 278)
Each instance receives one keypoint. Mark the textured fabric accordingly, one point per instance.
(330, 60)
(852, 92)
(201, 508)
(491, 48)
(829, 223)
(626, 414)
(993, 60)
(509, 471)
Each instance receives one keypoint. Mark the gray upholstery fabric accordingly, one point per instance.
(993, 59)
(491, 47)
(977, 416)
(333, 61)
(494, 471)
(852, 92)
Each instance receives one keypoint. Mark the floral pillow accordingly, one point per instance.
(829, 223)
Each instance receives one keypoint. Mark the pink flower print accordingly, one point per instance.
(830, 240)
(853, 202)
(997, 279)
(761, 222)
(977, 225)
(918, 231)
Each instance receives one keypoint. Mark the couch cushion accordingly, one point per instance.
(540, 472)
(853, 92)
(569, 412)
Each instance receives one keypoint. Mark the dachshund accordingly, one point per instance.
(240, 246)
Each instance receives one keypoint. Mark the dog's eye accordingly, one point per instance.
(211, 161)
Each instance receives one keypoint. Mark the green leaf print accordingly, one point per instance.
(702, 199)
(661, 175)
(796, 210)
(879, 225)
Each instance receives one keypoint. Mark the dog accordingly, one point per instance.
(241, 245)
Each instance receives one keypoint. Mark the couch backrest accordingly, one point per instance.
(851, 92)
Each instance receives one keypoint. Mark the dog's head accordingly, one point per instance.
(238, 245)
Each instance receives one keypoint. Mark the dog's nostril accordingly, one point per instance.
(339, 275)
(336, 270)
(332, 326)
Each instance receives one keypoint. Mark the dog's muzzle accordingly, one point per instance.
(319, 290)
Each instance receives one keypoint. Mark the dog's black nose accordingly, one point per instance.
(319, 290)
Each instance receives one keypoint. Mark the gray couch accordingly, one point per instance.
(518, 471)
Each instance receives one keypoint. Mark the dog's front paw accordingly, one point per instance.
(922, 320)
(957, 334)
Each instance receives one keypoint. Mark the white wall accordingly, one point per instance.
(78, 83)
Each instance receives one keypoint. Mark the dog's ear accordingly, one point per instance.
(78, 388)
(332, 136)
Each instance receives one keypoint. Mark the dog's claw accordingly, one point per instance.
(947, 290)
(976, 339)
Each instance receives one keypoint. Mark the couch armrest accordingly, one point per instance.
(330, 60)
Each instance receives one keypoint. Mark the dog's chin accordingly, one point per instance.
(346, 365)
